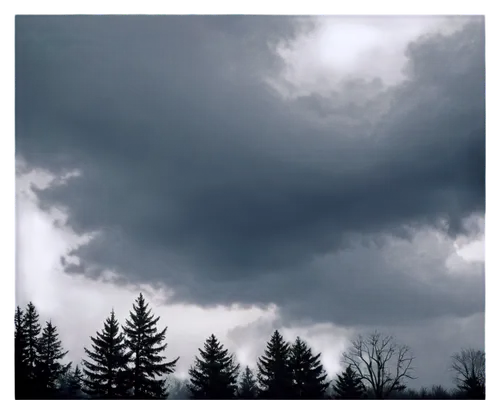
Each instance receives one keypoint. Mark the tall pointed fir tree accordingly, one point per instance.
(32, 329)
(20, 355)
(214, 374)
(309, 376)
(274, 373)
(106, 365)
(19, 334)
(144, 347)
(50, 370)
(247, 388)
(348, 385)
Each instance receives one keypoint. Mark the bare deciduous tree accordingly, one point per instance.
(469, 364)
(381, 363)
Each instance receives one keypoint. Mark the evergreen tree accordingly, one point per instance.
(32, 331)
(144, 345)
(20, 354)
(107, 362)
(248, 385)
(27, 333)
(348, 385)
(274, 373)
(18, 332)
(309, 377)
(215, 373)
(73, 389)
(49, 369)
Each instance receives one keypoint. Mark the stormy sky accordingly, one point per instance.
(321, 175)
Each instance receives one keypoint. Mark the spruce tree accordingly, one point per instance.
(20, 354)
(274, 373)
(32, 330)
(27, 332)
(74, 384)
(247, 388)
(309, 376)
(215, 373)
(20, 344)
(50, 370)
(144, 347)
(107, 362)
(348, 385)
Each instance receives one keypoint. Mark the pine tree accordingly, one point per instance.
(20, 344)
(107, 362)
(274, 373)
(144, 345)
(215, 373)
(32, 330)
(49, 369)
(309, 377)
(348, 385)
(20, 354)
(248, 385)
(29, 327)
(74, 382)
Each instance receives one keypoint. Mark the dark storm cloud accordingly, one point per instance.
(199, 175)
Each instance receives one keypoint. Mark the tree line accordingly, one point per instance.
(128, 361)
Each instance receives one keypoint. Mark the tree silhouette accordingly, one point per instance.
(380, 362)
(32, 329)
(274, 373)
(128, 364)
(439, 392)
(50, 370)
(73, 387)
(474, 388)
(214, 374)
(469, 366)
(107, 362)
(247, 388)
(309, 377)
(20, 354)
(144, 348)
(348, 385)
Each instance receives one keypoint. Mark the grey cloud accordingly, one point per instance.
(199, 175)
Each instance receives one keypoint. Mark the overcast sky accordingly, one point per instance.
(323, 176)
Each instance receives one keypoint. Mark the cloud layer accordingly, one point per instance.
(338, 207)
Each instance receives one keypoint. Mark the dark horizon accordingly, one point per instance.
(375, 366)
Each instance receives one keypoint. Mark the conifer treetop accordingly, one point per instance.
(49, 368)
(309, 376)
(145, 343)
(107, 361)
(348, 385)
(214, 373)
(248, 385)
(32, 329)
(274, 373)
